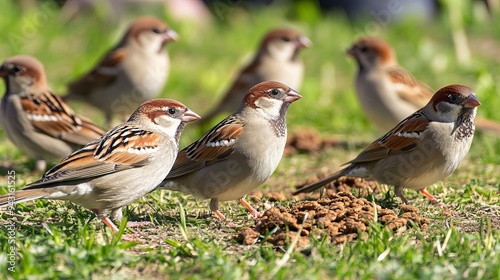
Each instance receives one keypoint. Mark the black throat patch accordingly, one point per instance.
(178, 132)
(279, 124)
(465, 124)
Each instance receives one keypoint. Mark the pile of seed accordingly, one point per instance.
(338, 216)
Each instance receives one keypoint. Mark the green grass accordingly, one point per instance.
(60, 240)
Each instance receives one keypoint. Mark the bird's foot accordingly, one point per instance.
(432, 198)
(253, 212)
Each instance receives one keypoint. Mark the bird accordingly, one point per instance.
(424, 148)
(37, 120)
(239, 153)
(387, 92)
(277, 59)
(124, 164)
(133, 71)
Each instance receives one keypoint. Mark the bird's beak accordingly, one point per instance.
(304, 42)
(352, 51)
(170, 36)
(471, 102)
(189, 116)
(292, 96)
(3, 71)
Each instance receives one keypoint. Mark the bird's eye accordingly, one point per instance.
(274, 92)
(286, 38)
(172, 111)
(156, 30)
(363, 48)
(17, 69)
(452, 97)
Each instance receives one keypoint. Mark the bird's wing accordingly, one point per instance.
(217, 144)
(49, 114)
(123, 148)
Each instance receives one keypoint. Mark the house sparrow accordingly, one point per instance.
(124, 164)
(35, 119)
(238, 154)
(277, 60)
(422, 149)
(132, 72)
(387, 92)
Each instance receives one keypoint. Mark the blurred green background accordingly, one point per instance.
(205, 59)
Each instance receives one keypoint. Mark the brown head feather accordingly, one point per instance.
(25, 65)
(374, 47)
(286, 34)
(143, 24)
(455, 94)
(260, 90)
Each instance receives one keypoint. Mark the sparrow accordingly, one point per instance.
(387, 92)
(35, 119)
(424, 148)
(132, 72)
(276, 60)
(124, 164)
(238, 154)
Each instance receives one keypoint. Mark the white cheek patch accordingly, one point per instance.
(282, 51)
(358, 172)
(151, 41)
(222, 143)
(42, 118)
(271, 107)
(448, 112)
(21, 82)
(167, 125)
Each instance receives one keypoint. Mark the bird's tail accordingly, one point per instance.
(319, 184)
(488, 126)
(21, 196)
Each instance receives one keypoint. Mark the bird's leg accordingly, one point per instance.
(219, 215)
(429, 196)
(116, 215)
(106, 220)
(109, 223)
(399, 192)
(126, 237)
(252, 210)
(214, 207)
